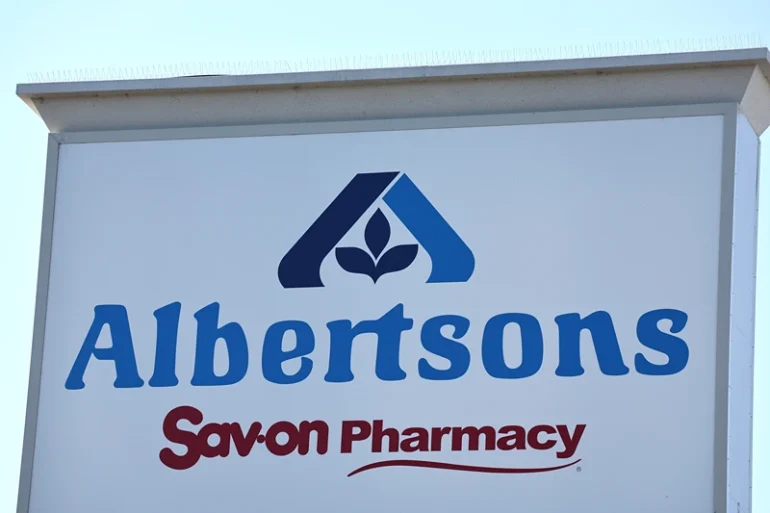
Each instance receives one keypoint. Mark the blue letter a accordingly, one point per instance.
(121, 352)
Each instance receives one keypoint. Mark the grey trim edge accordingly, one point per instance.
(724, 301)
(38, 335)
(423, 123)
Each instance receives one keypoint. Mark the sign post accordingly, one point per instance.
(495, 287)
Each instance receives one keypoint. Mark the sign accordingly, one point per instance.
(484, 318)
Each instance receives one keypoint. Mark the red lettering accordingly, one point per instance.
(282, 449)
(474, 434)
(281, 439)
(534, 433)
(222, 448)
(179, 436)
(284, 438)
(244, 444)
(354, 431)
(570, 442)
(437, 436)
(306, 429)
(517, 439)
(417, 440)
(378, 434)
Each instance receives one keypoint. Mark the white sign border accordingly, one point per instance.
(725, 485)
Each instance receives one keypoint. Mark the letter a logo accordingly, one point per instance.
(451, 259)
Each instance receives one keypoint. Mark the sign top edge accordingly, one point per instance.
(759, 57)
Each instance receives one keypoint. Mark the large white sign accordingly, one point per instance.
(497, 319)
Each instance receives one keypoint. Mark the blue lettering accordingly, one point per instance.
(121, 351)
(273, 354)
(674, 347)
(599, 324)
(167, 319)
(205, 344)
(492, 352)
(433, 341)
(388, 329)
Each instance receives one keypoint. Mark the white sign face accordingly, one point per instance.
(513, 318)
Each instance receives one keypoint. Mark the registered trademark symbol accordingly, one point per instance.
(579, 469)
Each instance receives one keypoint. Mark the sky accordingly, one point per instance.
(53, 39)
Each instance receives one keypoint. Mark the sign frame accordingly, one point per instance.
(735, 255)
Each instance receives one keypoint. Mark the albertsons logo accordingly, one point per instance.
(444, 337)
(451, 259)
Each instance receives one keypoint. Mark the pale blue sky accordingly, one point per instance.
(45, 36)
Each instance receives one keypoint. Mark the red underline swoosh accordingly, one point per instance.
(453, 466)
